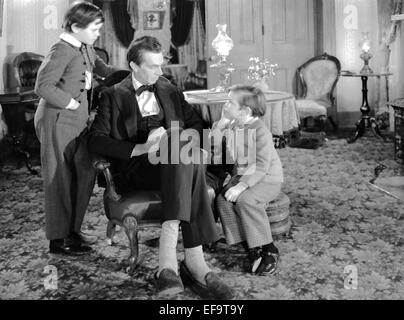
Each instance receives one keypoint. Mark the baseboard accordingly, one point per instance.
(348, 119)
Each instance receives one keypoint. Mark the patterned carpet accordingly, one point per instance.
(339, 220)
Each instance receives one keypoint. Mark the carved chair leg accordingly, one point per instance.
(323, 120)
(334, 125)
(111, 232)
(131, 230)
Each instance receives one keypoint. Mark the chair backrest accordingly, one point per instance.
(26, 65)
(319, 76)
(102, 53)
(108, 81)
(201, 68)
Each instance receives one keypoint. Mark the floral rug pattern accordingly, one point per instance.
(340, 222)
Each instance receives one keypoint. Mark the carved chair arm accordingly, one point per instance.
(102, 165)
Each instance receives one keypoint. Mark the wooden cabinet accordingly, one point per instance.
(398, 107)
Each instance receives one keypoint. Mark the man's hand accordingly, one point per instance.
(156, 133)
(234, 192)
(153, 140)
(226, 180)
(151, 145)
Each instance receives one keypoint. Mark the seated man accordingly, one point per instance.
(133, 116)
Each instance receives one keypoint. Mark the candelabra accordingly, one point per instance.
(365, 55)
(222, 45)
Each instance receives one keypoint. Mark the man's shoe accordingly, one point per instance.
(71, 250)
(82, 238)
(214, 288)
(168, 282)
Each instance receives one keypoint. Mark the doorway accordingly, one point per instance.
(282, 31)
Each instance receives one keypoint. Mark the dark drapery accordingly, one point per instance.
(202, 6)
(182, 21)
(121, 20)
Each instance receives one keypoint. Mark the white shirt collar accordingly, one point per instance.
(70, 39)
(136, 84)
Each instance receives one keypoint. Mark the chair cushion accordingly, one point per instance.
(278, 215)
(145, 205)
(310, 108)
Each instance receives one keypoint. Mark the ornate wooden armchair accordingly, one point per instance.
(317, 79)
(102, 53)
(132, 210)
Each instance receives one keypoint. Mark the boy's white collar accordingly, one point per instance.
(70, 39)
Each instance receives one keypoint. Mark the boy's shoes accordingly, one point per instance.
(269, 263)
(254, 259)
(168, 282)
(215, 288)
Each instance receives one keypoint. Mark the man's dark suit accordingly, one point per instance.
(114, 134)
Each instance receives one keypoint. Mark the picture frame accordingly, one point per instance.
(153, 20)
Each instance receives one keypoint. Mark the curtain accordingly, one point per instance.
(122, 25)
(109, 41)
(194, 50)
(182, 22)
(387, 37)
(203, 15)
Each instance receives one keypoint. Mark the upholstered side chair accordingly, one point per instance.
(317, 79)
(26, 65)
(23, 70)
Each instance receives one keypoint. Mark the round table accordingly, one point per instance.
(281, 116)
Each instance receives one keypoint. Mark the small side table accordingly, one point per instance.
(398, 107)
(366, 121)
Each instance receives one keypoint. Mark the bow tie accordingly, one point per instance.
(150, 88)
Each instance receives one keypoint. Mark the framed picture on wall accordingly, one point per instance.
(1, 17)
(153, 20)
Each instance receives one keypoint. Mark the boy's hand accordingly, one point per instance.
(224, 120)
(73, 105)
(234, 192)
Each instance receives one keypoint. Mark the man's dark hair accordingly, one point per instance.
(81, 14)
(139, 46)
